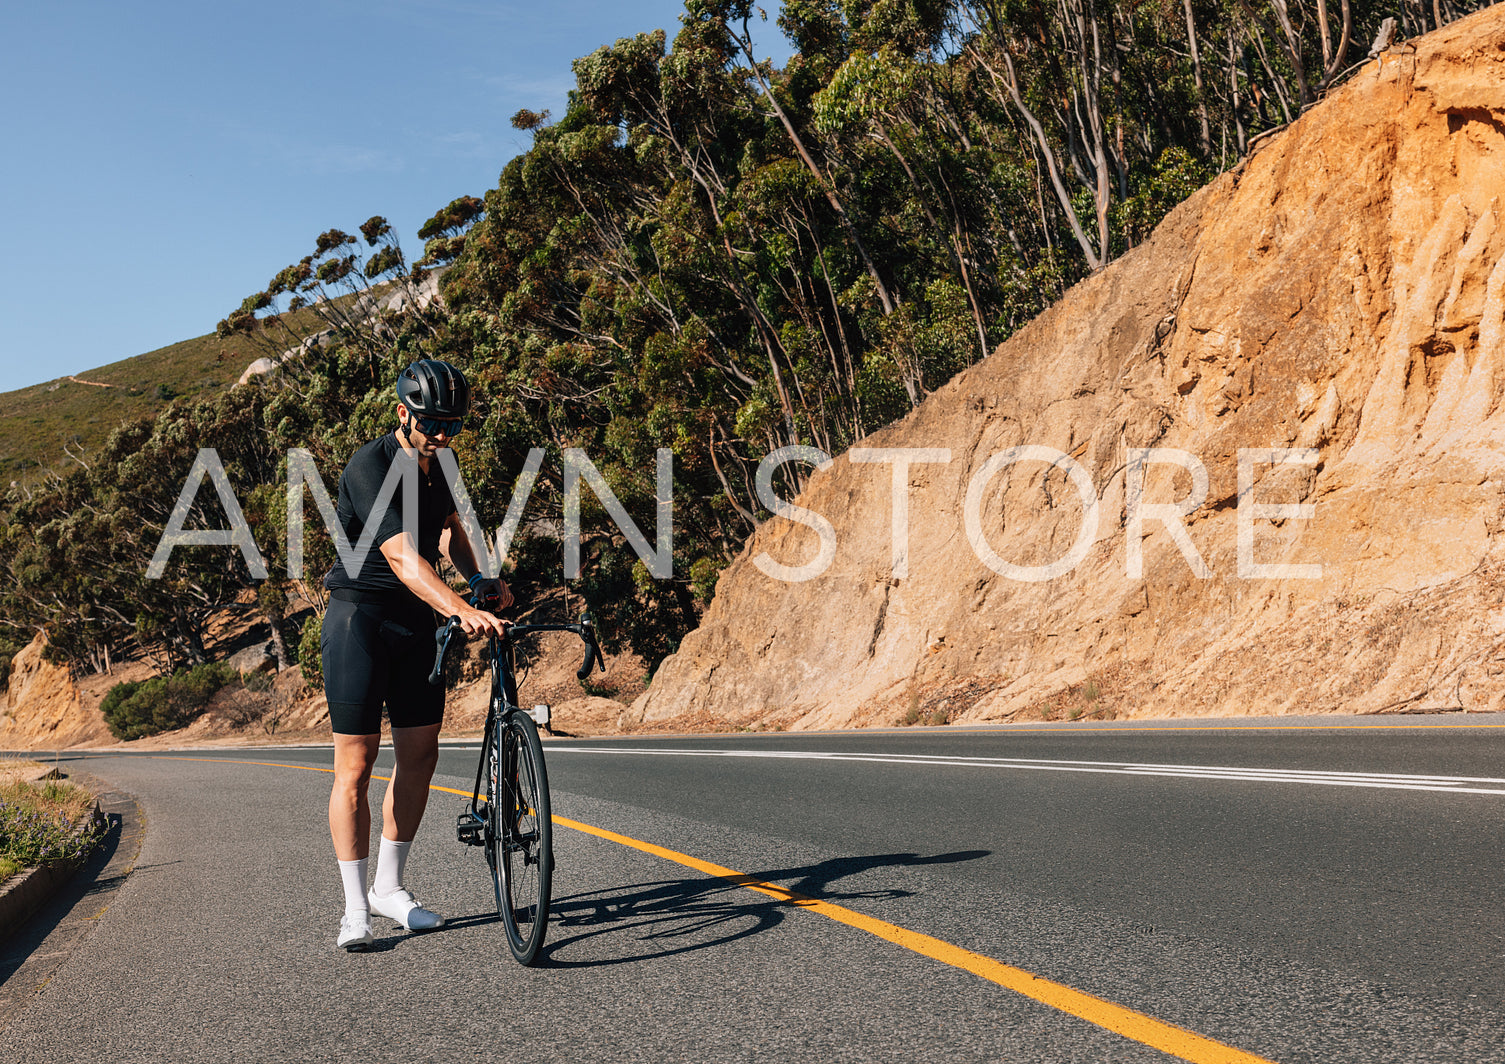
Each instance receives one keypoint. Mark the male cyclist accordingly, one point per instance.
(377, 641)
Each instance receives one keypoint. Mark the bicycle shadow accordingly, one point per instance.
(677, 916)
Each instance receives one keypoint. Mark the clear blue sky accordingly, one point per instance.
(161, 161)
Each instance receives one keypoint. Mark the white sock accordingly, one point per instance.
(353, 876)
(389, 864)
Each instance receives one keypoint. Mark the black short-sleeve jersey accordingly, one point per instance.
(360, 485)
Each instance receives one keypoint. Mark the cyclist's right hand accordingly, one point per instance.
(477, 622)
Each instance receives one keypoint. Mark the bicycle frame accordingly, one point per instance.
(503, 700)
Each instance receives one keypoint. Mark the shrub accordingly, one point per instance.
(309, 656)
(703, 576)
(37, 826)
(135, 709)
(200, 683)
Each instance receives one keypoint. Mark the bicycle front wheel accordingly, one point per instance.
(519, 834)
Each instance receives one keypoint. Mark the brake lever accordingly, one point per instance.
(442, 636)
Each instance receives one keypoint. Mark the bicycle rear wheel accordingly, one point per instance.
(519, 834)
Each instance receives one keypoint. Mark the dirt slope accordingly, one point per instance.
(1344, 293)
(43, 709)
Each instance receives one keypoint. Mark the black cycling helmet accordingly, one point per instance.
(434, 389)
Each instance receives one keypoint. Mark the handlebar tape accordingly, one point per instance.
(590, 660)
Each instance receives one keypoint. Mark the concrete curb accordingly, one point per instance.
(26, 893)
(72, 912)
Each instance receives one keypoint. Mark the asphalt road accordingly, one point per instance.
(1299, 894)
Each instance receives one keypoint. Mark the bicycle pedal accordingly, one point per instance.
(541, 715)
(470, 829)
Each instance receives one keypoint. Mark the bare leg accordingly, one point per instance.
(417, 751)
(349, 806)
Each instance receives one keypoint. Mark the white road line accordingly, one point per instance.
(1315, 777)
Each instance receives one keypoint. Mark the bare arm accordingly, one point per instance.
(456, 547)
(419, 577)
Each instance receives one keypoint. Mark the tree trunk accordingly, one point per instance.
(1291, 41)
(1236, 103)
(191, 639)
(1094, 261)
(271, 602)
(1335, 65)
(279, 647)
(745, 43)
(1196, 69)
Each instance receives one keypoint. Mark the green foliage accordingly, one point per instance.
(11, 644)
(704, 572)
(1175, 175)
(135, 709)
(309, 655)
(703, 254)
(912, 712)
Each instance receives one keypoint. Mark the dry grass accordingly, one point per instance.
(41, 424)
(15, 771)
(1101, 697)
(48, 796)
(941, 702)
(38, 822)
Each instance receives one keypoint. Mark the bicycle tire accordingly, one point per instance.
(519, 834)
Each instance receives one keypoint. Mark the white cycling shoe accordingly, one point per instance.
(355, 933)
(401, 906)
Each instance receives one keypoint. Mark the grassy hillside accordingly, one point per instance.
(37, 423)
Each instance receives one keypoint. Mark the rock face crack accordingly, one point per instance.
(872, 644)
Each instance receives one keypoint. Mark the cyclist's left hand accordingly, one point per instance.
(491, 594)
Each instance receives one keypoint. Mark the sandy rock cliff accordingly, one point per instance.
(42, 706)
(1340, 298)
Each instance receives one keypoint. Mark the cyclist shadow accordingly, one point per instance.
(677, 916)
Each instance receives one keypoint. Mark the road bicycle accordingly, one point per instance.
(509, 811)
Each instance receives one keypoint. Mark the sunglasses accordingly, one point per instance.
(435, 426)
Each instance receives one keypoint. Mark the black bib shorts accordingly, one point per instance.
(378, 651)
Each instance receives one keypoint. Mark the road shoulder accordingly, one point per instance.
(29, 957)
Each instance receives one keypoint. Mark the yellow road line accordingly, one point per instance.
(1124, 1021)
(1166, 1037)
